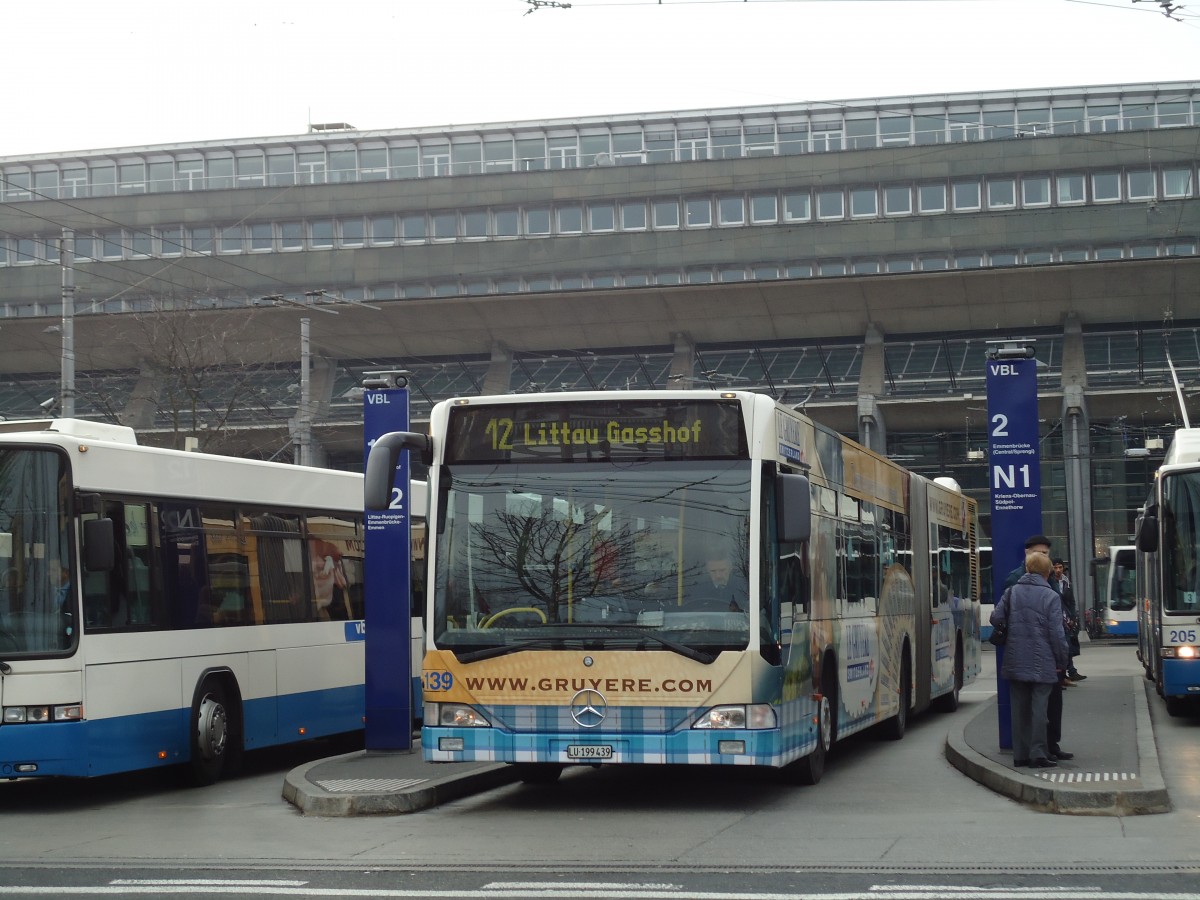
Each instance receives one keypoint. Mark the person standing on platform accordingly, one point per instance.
(1071, 611)
(1035, 655)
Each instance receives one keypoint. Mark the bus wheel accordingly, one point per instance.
(809, 769)
(210, 733)
(894, 728)
(1177, 706)
(537, 773)
(948, 703)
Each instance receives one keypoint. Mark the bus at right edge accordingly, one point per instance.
(1168, 576)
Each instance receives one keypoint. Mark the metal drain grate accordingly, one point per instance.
(1086, 777)
(352, 785)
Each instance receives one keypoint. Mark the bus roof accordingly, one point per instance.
(83, 428)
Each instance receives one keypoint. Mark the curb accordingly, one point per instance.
(312, 800)
(1149, 799)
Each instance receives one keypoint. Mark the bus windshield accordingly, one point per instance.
(593, 555)
(1180, 516)
(37, 612)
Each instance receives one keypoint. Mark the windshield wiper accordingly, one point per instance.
(505, 649)
(700, 656)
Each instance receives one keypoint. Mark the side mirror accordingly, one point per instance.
(793, 508)
(99, 545)
(1147, 533)
(382, 462)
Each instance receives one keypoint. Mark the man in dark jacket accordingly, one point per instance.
(1034, 657)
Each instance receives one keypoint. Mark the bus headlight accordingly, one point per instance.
(36, 715)
(1185, 652)
(455, 715)
(755, 716)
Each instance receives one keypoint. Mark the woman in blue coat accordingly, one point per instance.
(1035, 656)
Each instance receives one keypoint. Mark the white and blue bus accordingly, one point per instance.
(692, 577)
(1167, 537)
(1113, 611)
(166, 608)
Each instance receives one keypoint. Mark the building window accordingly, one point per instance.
(797, 207)
(170, 241)
(633, 216)
(1177, 183)
(537, 221)
(934, 263)
(1004, 258)
(699, 212)
(966, 196)
(699, 276)
(968, 260)
(261, 235)
(831, 205)
(251, 171)
(864, 203)
(353, 232)
(764, 273)
(931, 198)
(731, 274)
(1035, 190)
(281, 169)
(897, 266)
(320, 233)
(1070, 189)
(231, 239)
(602, 217)
(731, 210)
(1106, 187)
(373, 164)
(1002, 193)
(666, 213)
(133, 178)
(1038, 257)
(343, 166)
(831, 268)
(1140, 185)
(865, 267)
(475, 224)
(506, 222)
(897, 201)
(570, 219)
(383, 229)
(412, 229)
(445, 226)
(764, 209)
(201, 240)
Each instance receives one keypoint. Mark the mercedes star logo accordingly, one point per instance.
(588, 708)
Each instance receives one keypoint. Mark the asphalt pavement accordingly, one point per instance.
(1106, 724)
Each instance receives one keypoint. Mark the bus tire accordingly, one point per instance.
(809, 769)
(895, 727)
(537, 773)
(214, 739)
(1177, 706)
(948, 703)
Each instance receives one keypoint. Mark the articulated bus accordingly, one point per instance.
(161, 607)
(694, 577)
(1113, 611)
(1167, 537)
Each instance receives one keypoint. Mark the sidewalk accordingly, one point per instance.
(1106, 724)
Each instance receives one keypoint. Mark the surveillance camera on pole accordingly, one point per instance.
(386, 379)
(1012, 349)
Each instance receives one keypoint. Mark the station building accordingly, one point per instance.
(851, 258)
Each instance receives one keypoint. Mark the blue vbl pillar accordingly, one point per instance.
(1014, 461)
(388, 587)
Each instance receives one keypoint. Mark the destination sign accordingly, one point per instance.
(596, 431)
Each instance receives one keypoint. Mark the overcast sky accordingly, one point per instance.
(79, 75)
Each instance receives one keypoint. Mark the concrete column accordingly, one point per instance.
(499, 374)
(143, 400)
(1077, 460)
(872, 431)
(683, 363)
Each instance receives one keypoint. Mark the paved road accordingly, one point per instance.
(885, 814)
